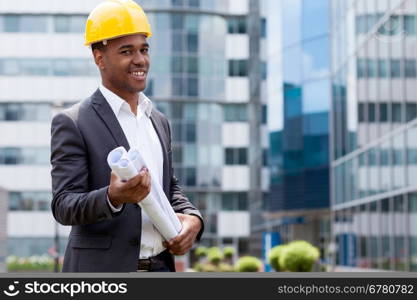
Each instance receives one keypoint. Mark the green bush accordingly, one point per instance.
(208, 268)
(298, 256)
(274, 255)
(198, 267)
(224, 267)
(214, 255)
(32, 263)
(229, 252)
(200, 251)
(248, 264)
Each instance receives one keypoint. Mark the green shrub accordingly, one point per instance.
(224, 267)
(248, 264)
(274, 255)
(298, 256)
(200, 251)
(198, 267)
(209, 268)
(32, 263)
(214, 255)
(229, 252)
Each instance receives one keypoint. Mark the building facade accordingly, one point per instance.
(373, 130)
(299, 102)
(199, 78)
(4, 202)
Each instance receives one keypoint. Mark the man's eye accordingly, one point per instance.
(126, 52)
(146, 50)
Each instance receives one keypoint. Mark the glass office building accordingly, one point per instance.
(298, 57)
(373, 132)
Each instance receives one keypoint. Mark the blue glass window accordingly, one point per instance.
(315, 19)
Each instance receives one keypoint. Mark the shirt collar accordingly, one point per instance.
(145, 104)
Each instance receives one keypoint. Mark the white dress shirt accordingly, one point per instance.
(141, 135)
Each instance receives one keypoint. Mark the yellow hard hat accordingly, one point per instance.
(115, 18)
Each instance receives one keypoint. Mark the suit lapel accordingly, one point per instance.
(156, 122)
(103, 109)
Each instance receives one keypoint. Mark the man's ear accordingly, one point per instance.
(99, 58)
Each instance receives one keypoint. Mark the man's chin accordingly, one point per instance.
(138, 88)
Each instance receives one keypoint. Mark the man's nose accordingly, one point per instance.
(139, 58)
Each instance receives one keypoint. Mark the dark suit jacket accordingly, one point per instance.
(100, 240)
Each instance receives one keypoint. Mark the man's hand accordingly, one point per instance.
(183, 242)
(132, 191)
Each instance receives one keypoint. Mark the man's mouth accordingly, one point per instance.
(138, 75)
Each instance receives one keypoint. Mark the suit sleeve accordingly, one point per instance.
(73, 203)
(179, 202)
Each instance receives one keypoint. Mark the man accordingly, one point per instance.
(109, 232)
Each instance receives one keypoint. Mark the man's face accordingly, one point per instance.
(124, 63)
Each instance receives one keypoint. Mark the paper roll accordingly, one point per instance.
(158, 217)
(120, 164)
(157, 191)
(156, 205)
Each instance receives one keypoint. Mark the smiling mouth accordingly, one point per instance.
(138, 75)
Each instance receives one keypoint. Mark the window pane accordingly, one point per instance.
(13, 112)
(77, 24)
(382, 68)
(192, 87)
(411, 111)
(192, 65)
(241, 23)
(190, 176)
(80, 67)
(371, 68)
(41, 67)
(410, 68)
(242, 156)
(361, 70)
(190, 133)
(61, 67)
(61, 23)
(192, 42)
(395, 68)
(231, 25)
(396, 112)
(242, 203)
(228, 201)
(243, 68)
(383, 112)
(11, 23)
(9, 67)
(30, 23)
(177, 21)
(177, 64)
(410, 25)
(229, 157)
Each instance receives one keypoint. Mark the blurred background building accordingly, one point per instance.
(294, 118)
(298, 94)
(374, 134)
(3, 228)
(199, 78)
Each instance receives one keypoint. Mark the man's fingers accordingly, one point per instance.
(113, 176)
(134, 181)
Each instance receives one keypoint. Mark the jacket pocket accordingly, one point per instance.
(90, 242)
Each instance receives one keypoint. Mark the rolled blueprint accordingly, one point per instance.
(159, 213)
(120, 164)
(157, 191)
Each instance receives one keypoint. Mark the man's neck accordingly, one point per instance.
(131, 98)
